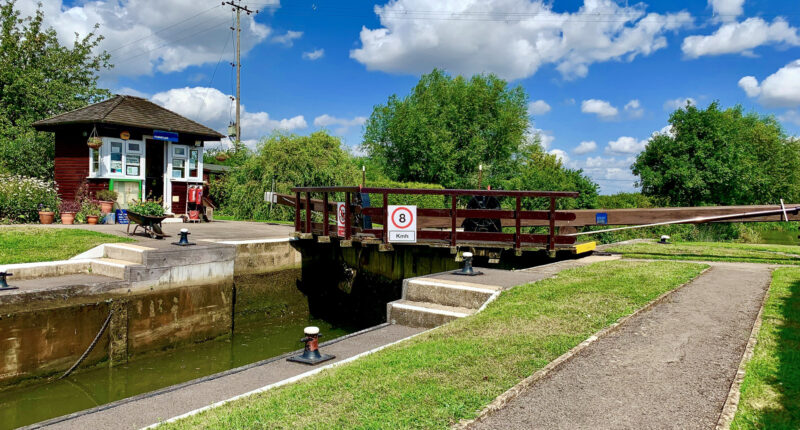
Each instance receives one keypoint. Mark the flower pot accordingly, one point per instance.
(94, 142)
(67, 218)
(106, 207)
(92, 219)
(46, 217)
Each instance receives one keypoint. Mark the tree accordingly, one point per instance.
(39, 78)
(446, 127)
(720, 157)
(314, 160)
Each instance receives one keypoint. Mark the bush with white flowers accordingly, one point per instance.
(22, 197)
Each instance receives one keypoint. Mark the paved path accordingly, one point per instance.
(150, 408)
(670, 367)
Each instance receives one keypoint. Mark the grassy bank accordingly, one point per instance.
(735, 252)
(30, 244)
(771, 388)
(449, 374)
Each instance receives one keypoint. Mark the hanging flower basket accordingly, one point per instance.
(221, 156)
(94, 142)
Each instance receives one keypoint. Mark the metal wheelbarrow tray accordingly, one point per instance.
(149, 223)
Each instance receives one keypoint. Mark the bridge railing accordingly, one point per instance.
(305, 206)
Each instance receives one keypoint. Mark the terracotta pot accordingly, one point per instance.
(46, 217)
(92, 219)
(106, 207)
(67, 218)
(94, 142)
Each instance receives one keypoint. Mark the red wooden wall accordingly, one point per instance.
(179, 190)
(72, 166)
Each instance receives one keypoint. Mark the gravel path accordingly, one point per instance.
(668, 368)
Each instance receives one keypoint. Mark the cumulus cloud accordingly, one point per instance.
(780, 89)
(679, 103)
(313, 55)
(726, 10)
(211, 107)
(585, 147)
(342, 124)
(560, 155)
(741, 37)
(546, 138)
(538, 107)
(792, 116)
(601, 108)
(143, 36)
(625, 145)
(634, 109)
(613, 174)
(474, 37)
(287, 39)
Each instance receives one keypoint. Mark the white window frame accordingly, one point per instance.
(105, 159)
(187, 150)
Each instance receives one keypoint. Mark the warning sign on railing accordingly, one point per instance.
(402, 226)
(340, 219)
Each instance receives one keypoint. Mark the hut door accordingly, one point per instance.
(154, 169)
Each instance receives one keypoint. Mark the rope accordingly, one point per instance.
(91, 347)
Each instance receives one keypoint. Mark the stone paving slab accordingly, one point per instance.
(668, 367)
(151, 408)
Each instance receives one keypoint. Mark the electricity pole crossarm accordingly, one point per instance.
(238, 8)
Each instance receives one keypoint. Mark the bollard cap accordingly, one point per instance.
(184, 230)
(665, 237)
(467, 255)
(311, 330)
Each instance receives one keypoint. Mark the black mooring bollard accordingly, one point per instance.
(4, 283)
(664, 240)
(311, 354)
(184, 233)
(467, 270)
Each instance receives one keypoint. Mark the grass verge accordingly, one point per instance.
(31, 244)
(449, 374)
(712, 251)
(770, 392)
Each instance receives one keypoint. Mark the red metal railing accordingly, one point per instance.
(304, 203)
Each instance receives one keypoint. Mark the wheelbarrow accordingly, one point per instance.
(149, 223)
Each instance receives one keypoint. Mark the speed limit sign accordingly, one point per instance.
(402, 226)
(340, 216)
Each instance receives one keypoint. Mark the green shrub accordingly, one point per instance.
(627, 201)
(21, 197)
(421, 201)
(106, 196)
(87, 209)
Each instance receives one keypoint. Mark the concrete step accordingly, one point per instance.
(422, 314)
(110, 267)
(124, 252)
(448, 293)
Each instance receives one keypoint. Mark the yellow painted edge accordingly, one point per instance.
(580, 248)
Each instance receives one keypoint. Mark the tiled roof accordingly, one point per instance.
(129, 111)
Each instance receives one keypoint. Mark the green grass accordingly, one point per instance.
(451, 373)
(31, 244)
(713, 251)
(771, 388)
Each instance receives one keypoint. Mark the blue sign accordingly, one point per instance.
(122, 216)
(167, 136)
(601, 218)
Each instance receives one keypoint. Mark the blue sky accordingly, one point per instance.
(604, 75)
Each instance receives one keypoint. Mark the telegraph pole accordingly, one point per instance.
(238, 8)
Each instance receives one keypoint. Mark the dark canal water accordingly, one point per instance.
(253, 340)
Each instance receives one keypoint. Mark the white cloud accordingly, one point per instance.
(287, 39)
(482, 36)
(726, 10)
(545, 137)
(780, 89)
(792, 116)
(625, 145)
(128, 91)
(741, 37)
(560, 155)
(601, 108)
(212, 108)
(145, 35)
(538, 107)
(613, 174)
(634, 109)
(585, 147)
(679, 103)
(314, 55)
(342, 124)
